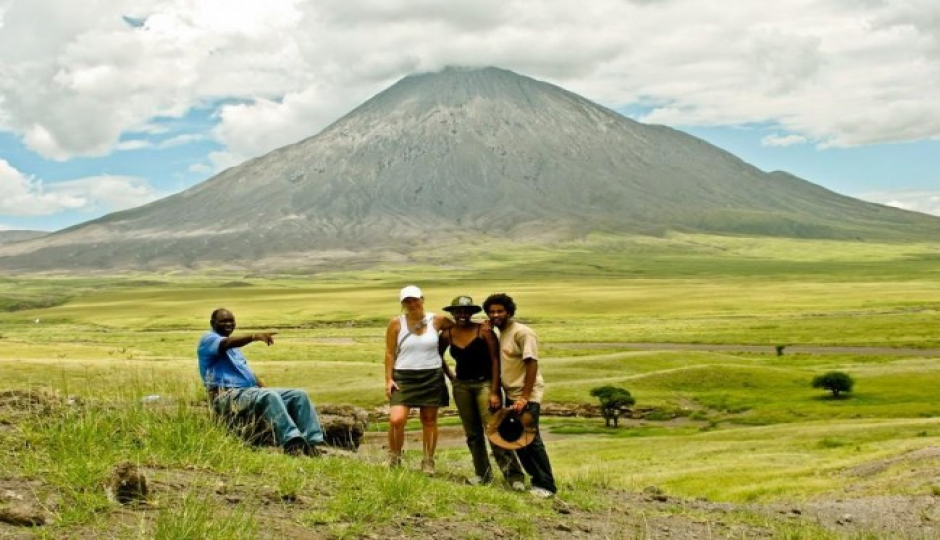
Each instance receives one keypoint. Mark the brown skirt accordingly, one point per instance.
(420, 388)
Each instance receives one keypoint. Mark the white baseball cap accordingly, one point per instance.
(410, 291)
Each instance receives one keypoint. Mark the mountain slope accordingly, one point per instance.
(463, 152)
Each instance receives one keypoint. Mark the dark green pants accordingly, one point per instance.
(473, 404)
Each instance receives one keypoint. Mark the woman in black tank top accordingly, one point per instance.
(476, 387)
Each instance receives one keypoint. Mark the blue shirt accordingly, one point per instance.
(228, 369)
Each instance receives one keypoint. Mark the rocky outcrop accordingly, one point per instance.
(343, 425)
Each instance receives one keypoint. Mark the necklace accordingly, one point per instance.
(418, 325)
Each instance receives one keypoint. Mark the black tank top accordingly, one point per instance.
(473, 361)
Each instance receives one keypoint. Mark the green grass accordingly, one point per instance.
(792, 461)
(74, 449)
(747, 427)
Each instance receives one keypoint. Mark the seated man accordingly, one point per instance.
(238, 395)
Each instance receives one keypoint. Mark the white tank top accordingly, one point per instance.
(417, 351)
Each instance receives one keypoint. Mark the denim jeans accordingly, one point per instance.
(288, 411)
(533, 456)
(473, 404)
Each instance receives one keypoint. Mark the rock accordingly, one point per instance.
(19, 405)
(155, 400)
(343, 425)
(22, 515)
(9, 495)
(269, 494)
(581, 410)
(560, 506)
(127, 484)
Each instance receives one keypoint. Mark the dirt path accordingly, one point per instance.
(765, 349)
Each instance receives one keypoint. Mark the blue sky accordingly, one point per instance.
(870, 172)
(125, 102)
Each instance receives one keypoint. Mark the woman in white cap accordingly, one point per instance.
(414, 374)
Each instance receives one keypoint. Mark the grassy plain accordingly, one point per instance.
(725, 425)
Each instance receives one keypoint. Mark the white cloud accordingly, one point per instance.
(143, 144)
(25, 196)
(840, 72)
(133, 144)
(200, 168)
(109, 193)
(180, 140)
(782, 140)
(927, 202)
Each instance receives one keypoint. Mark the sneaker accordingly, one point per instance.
(518, 486)
(427, 466)
(541, 493)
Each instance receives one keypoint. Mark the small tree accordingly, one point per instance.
(834, 381)
(613, 400)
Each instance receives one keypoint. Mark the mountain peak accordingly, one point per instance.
(464, 151)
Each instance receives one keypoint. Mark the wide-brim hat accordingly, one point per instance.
(510, 430)
(463, 302)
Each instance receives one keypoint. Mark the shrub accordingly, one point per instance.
(613, 400)
(834, 381)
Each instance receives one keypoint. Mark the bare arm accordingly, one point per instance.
(442, 344)
(529, 347)
(391, 344)
(492, 346)
(441, 322)
(233, 342)
(531, 370)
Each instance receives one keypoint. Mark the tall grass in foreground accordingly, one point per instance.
(194, 463)
(76, 449)
(195, 517)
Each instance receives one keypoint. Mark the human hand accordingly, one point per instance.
(495, 402)
(519, 405)
(390, 387)
(267, 337)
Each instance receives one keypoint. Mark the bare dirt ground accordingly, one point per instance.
(653, 514)
(26, 507)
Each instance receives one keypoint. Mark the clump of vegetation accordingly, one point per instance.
(613, 400)
(11, 302)
(836, 382)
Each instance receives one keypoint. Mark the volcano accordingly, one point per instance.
(481, 152)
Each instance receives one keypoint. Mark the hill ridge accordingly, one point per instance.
(457, 153)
